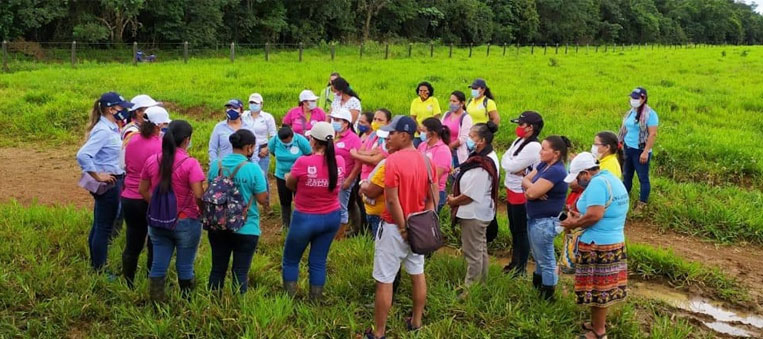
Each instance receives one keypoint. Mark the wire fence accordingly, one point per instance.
(25, 54)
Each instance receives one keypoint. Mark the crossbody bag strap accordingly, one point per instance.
(251, 198)
(611, 195)
(430, 181)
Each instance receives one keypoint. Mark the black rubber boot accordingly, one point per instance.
(547, 292)
(186, 286)
(156, 289)
(285, 218)
(316, 293)
(290, 287)
(129, 266)
(537, 281)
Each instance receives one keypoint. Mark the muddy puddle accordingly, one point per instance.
(710, 313)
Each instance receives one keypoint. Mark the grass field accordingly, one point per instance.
(707, 182)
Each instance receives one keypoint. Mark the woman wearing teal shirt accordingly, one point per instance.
(242, 243)
(601, 267)
(637, 135)
(287, 147)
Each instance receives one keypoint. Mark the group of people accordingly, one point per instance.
(333, 158)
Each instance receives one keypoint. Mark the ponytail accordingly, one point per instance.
(177, 132)
(640, 109)
(533, 138)
(489, 94)
(95, 115)
(609, 138)
(330, 161)
(434, 125)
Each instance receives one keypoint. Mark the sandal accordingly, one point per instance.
(597, 336)
(586, 326)
(369, 334)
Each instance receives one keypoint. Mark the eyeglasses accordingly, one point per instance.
(423, 91)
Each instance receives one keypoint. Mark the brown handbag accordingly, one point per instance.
(423, 228)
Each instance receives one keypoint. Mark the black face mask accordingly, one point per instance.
(122, 115)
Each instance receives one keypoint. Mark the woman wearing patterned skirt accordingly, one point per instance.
(601, 268)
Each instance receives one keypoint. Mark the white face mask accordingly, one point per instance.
(312, 104)
(635, 103)
(595, 151)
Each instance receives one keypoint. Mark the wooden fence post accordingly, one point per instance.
(386, 51)
(301, 46)
(74, 54)
(5, 56)
(267, 51)
(185, 52)
(232, 51)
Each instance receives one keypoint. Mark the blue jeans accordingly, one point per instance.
(105, 210)
(185, 237)
(373, 223)
(264, 164)
(541, 233)
(242, 247)
(344, 200)
(632, 164)
(441, 203)
(318, 231)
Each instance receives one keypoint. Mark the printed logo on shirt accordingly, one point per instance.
(340, 144)
(294, 150)
(312, 171)
(429, 107)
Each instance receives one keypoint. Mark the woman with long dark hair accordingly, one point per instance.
(459, 122)
(174, 171)
(102, 175)
(287, 147)
(346, 98)
(481, 106)
(637, 135)
(433, 136)
(140, 147)
(545, 190)
(519, 160)
(316, 179)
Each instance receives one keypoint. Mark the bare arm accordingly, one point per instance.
(494, 117)
(198, 191)
(371, 190)
(353, 175)
(143, 188)
(592, 216)
(291, 182)
(262, 198)
(395, 210)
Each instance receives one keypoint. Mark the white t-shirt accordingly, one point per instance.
(352, 104)
(476, 184)
(263, 126)
(528, 157)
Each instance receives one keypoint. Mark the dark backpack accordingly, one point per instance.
(484, 104)
(460, 121)
(224, 208)
(163, 208)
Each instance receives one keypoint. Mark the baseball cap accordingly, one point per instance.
(256, 98)
(529, 117)
(112, 99)
(307, 95)
(638, 92)
(321, 131)
(142, 101)
(400, 123)
(478, 83)
(343, 114)
(582, 162)
(157, 115)
(235, 103)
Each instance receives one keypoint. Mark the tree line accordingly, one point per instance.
(207, 22)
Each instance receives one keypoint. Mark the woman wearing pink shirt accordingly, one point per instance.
(433, 146)
(141, 146)
(303, 117)
(459, 122)
(174, 170)
(345, 141)
(315, 178)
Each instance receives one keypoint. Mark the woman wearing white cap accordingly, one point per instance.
(140, 104)
(316, 179)
(345, 141)
(264, 128)
(145, 144)
(302, 118)
(601, 267)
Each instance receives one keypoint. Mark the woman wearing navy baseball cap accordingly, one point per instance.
(102, 175)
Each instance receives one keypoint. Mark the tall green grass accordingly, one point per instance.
(47, 290)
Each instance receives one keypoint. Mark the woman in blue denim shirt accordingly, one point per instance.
(546, 190)
(99, 158)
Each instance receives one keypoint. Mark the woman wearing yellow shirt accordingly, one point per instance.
(481, 106)
(606, 149)
(424, 106)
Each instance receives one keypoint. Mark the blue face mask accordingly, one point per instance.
(423, 137)
(475, 93)
(337, 126)
(470, 144)
(363, 129)
(122, 115)
(163, 130)
(232, 114)
(454, 107)
(255, 107)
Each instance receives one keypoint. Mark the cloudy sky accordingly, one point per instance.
(758, 2)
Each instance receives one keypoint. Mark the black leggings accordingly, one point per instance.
(135, 236)
(285, 197)
(520, 245)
